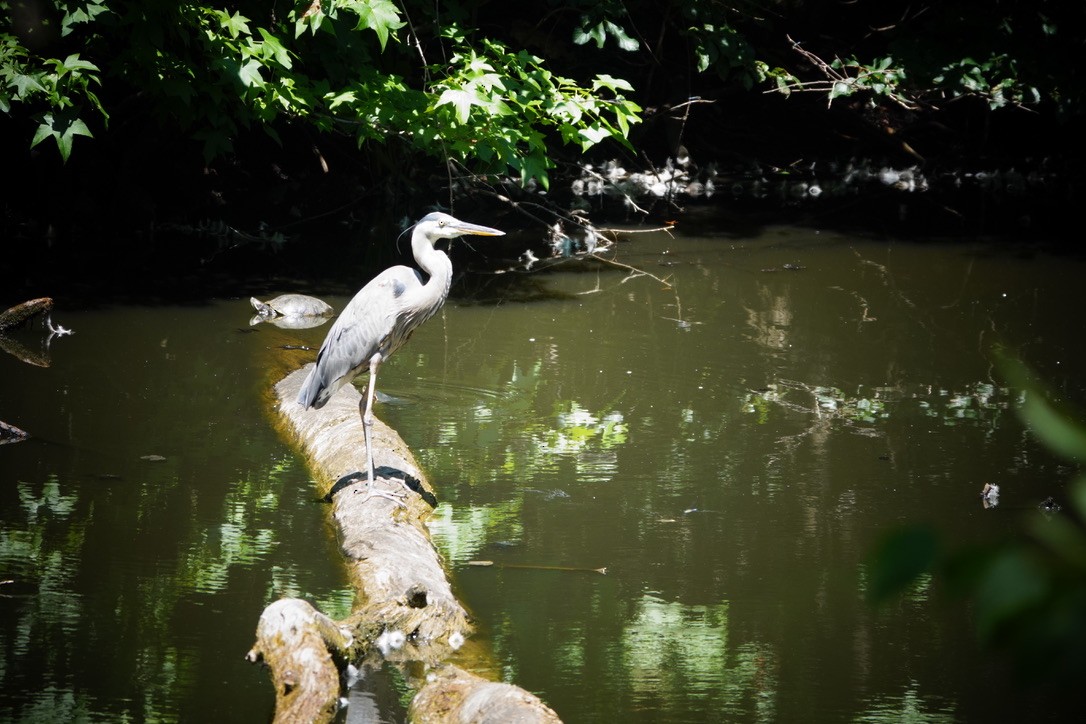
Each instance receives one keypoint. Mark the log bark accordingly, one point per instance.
(297, 642)
(21, 312)
(405, 611)
(10, 433)
(454, 695)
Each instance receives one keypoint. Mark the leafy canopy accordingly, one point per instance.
(356, 67)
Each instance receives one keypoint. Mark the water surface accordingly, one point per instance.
(728, 437)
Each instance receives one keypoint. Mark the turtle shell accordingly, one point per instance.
(292, 305)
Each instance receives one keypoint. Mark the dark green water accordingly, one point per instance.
(730, 449)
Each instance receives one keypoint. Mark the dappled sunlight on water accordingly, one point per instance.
(741, 436)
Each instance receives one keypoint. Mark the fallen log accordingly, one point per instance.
(405, 611)
(21, 312)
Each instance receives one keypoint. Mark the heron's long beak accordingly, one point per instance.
(465, 228)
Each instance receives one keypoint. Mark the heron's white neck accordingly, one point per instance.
(434, 262)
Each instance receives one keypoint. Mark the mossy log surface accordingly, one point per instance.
(404, 610)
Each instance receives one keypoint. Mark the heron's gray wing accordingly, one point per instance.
(363, 329)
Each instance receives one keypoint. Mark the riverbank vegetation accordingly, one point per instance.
(135, 118)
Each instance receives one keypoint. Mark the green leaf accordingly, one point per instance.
(460, 100)
(282, 57)
(74, 62)
(703, 58)
(591, 136)
(249, 73)
(625, 42)
(84, 13)
(236, 24)
(44, 131)
(583, 34)
(63, 127)
(339, 99)
(840, 88)
(535, 166)
(611, 83)
(25, 85)
(380, 16)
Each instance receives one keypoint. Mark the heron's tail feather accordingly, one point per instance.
(313, 393)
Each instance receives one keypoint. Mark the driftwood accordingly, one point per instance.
(22, 312)
(10, 433)
(17, 315)
(404, 612)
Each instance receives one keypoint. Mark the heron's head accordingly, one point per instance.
(442, 226)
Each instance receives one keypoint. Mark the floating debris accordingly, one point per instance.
(1049, 506)
(530, 567)
(18, 314)
(989, 495)
(10, 433)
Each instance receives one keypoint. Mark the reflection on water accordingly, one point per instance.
(145, 525)
(728, 447)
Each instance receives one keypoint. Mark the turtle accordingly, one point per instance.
(291, 310)
(292, 305)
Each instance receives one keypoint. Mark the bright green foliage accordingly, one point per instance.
(496, 85)
(494, 104)
(343, 66)
(57, 90)
(600, 20)
(599, 31)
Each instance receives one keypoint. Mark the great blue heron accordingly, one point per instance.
(382, 316)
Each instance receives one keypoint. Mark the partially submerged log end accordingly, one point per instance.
(10, 433)
(21, 312)
(296, 642)
(454, 695)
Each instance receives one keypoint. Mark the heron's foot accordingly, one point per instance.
(373, 492)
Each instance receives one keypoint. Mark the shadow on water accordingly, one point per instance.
(728, 448)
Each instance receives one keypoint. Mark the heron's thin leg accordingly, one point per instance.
(367, 416)
(367, 425)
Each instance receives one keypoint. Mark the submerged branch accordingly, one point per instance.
(634, 271)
